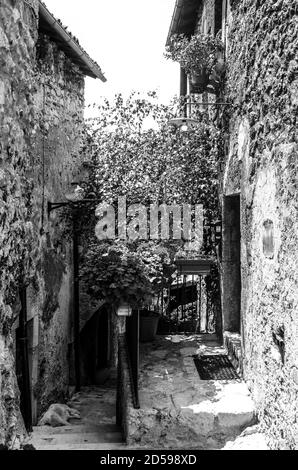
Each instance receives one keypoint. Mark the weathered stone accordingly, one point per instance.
(185, 411)
(162, 354)
(261, 166)
(2, 93)
(39, 157)
(255, 441)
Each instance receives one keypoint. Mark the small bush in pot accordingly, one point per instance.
(148, 325)
(113, 273)
(201, 57)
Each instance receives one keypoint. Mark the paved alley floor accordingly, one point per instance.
(178, 409)
(95, 430)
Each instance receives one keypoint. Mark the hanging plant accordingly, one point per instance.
(201, 57)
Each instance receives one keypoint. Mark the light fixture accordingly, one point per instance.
(124, 310)
(187, 123)
(77, 194)
(184, 123)
(217, 227)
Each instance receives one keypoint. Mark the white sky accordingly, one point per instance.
(127, 38)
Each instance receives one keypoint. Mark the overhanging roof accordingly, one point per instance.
(70, 45)
(184, 18)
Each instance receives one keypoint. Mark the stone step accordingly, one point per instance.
(93, 395)
(255, 441)
(76, 429)
(93, 446)
(79, 438)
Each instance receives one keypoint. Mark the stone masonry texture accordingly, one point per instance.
(41, 116)
(262, 165)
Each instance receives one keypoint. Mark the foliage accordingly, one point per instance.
(150, 165)
(200, 56)
(130, 150)
(116, 273)
(199, 52)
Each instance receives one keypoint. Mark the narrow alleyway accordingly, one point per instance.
(96, 430)
(178, 408)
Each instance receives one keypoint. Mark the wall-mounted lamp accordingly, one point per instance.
(75, 199)
(77, 194)
(124, 311)
(217, 231)
(186, 123)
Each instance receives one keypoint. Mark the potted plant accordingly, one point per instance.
(199, 81)
(148, 324)
(115, 275)
(201, 57)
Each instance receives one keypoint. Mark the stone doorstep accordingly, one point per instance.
(250, 439)
(211, 422)
(231, 407)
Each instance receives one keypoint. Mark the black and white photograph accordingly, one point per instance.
(148, 229)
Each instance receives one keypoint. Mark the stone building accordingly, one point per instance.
(259, 196)
(42, 71)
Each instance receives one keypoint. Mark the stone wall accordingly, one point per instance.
(18, 35)
(262, 164)
(41, 113)
(59, 103)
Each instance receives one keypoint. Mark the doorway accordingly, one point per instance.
(231, 264)
(22, 362)
(95, 341)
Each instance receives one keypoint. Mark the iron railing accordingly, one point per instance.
(132, 342)
(186, 306)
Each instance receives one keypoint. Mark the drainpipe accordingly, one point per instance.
(183, 89)
(183, 82)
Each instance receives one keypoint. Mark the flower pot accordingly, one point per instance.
(148, 327)
(199, 81)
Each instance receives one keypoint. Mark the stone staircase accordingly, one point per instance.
(95, 430)
(77, 437)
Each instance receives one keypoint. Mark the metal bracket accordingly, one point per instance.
(56, 205)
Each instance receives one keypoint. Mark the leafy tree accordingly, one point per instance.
(131, 150)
